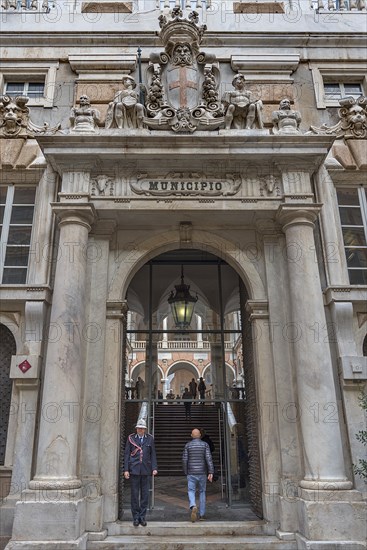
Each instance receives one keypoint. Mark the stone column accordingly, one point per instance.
(318, 408)
(53, 510)
(59, 427)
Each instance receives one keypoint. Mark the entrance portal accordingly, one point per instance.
(167, 363)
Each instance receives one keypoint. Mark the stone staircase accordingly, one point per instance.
(172, 432)
(247, 535)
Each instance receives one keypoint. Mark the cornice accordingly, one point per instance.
(216, 39)
(148, 146)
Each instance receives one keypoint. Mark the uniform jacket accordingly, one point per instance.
(197, 458)
(140, 459)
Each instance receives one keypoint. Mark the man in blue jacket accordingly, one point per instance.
(139, 464)
(198, 467)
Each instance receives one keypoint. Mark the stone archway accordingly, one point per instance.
(183, 365)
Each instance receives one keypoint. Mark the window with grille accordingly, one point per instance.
(16, 218)
(338, 90)
(353, 217)
(33, 90)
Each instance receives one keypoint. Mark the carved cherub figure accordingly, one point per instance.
(286, 121)
(125, 111)
(242, 109)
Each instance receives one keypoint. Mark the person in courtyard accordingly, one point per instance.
(187, 395)
(140, 462)
(202, 389)
(198, 466)
(139, 388)
(205, 437)
(193, 387)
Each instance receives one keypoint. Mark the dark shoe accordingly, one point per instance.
(202, 518)
(143, 522)
(194, 514)
(136, 522)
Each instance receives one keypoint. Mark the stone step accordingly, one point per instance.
(174, 542)
(198, 529)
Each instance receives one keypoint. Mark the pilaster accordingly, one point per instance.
(95, 337)
(266, 398)
(284, 406)
(109, 445)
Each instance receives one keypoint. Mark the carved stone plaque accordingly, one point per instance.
(187, 185)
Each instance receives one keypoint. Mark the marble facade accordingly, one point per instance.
(116, 188)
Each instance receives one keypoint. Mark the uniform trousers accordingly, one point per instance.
(139, 495)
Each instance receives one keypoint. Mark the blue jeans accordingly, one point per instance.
(192, 483)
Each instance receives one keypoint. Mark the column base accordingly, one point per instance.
(78, 544)
(50, 516)
(327, 516)
(305, 544)
(332, 485)
(7, 511)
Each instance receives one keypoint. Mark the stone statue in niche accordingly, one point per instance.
(84, 119)
(125, 111)
(242, 110)
(286, 121)
(353, 120)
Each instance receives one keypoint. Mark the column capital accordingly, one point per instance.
(297, 214)
(117, 309)
(72, 213)
(258, 309)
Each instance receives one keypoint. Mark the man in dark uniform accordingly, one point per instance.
(140, 463)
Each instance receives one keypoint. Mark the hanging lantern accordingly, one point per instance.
(182, 304)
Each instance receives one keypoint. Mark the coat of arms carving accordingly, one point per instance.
(183, 82)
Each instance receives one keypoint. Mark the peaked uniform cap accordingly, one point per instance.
(141, 423)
